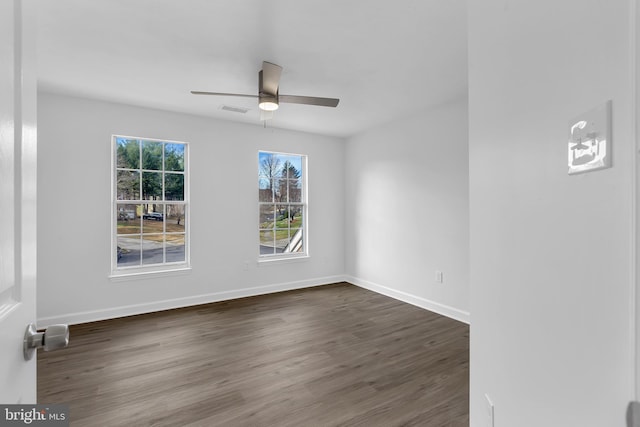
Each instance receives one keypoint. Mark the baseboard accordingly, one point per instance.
(130, 310)
(445, 310)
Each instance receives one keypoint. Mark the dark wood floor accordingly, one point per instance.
(334, 355)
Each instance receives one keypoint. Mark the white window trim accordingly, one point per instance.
(267, 260)
(125, 273)
(292, 256)
(140, 275)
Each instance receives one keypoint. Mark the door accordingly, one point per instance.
(17, 198)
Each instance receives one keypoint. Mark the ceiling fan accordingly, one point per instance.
(268, 95)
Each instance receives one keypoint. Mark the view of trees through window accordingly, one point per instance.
(281, 203)
(150, 202)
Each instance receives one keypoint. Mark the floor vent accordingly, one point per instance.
(234, 109)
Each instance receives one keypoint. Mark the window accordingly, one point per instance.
(150, 205)
(282, 204)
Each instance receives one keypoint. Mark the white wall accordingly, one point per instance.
(74, 210)
(407, 209)
(551, 254)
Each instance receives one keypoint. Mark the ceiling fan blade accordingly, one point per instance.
(309, 100)
(198, 92)
(270, 78)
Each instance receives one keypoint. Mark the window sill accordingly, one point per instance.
(263, 262)
(122, 276)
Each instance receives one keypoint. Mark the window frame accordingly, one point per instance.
(163, 268)
(289, 256)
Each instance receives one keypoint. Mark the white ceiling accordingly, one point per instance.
(383, 59)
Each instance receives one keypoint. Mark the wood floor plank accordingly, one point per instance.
(334, 355)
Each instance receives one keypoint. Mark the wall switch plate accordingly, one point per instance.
(245, 265)
(489, 411)
(438, 276)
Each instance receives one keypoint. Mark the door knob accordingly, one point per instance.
(53, 338)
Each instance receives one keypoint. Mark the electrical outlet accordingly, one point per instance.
(438, 276)
(490, 411)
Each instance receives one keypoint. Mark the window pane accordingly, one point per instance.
(295, 216)
(151, 185)
(282, 227)
(267, 244)
(175, 248)
(128, 153)
(128, 251)
(264, 190)
(174, 186)
(279, 190)
(269, 165)
(128, 221)
(153, 219)
(152, 249)
(291, 168)
(282, 239)
(295, 243)
(128, 185)
(295, 190)
(174, 157)
(282, 216)
(267, 216)
(152, 155)
(175, 218)
(291, 163)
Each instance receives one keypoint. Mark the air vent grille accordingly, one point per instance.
(233, 109)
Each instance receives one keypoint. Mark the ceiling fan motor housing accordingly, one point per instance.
(266, 101)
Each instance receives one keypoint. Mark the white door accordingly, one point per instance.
(17, 198)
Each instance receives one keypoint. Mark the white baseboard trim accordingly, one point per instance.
(130, 310)
(445, 310)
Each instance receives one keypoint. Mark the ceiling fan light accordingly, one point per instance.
(268, 105)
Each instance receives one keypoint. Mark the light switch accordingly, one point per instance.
(438, 276)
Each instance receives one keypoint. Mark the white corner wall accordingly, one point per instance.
(74, 140)
(551, 254)
(407, 209)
